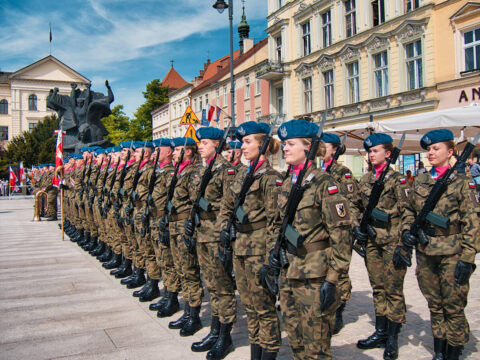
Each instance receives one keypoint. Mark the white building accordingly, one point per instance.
(179, 101)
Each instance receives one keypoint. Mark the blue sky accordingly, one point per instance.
(127, 42)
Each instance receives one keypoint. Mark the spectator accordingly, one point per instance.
(475, 172)
(421, 168)
(410, 178)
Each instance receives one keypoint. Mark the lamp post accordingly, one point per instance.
(220, 5)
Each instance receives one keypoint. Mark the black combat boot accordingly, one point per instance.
(84, 240)
(145, 287)
(91, 245)
(120, 267)
(160, 303)
(106, 255)
(379, 338)
(113, 263)
(454, 352)
(99, 249)
(255, 352)
(125, 270)
(391, 347)
(224, 344)
(338, 319)
(266, 355)
(138, 279)
(130, 278)
(152, 292)
(193, 323)
(209, 340)
(439, 347)
(178, 324)
(78, 235)
(170, 307)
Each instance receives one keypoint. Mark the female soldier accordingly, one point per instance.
(445, 264)
(254, 239)
(234, 155)
(323, 221)
(386, 281)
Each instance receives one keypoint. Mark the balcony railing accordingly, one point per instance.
(271, 70)
(273, 119)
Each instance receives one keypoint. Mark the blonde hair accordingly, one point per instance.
(321, 147)
(273, 146)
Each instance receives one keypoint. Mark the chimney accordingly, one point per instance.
(247, 44)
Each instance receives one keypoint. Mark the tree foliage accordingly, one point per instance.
(117, 125)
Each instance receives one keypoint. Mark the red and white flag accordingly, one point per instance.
(58, 155)
(23, 175)
(214, 113)
(13, 180)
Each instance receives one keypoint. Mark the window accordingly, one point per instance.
(257, 87)
(380, 72)
(3, 106)
(258, 114)
(350, 20)
(280, 3)
(280, 100)
(200, 104)
(411, 5)
(307, 94)
(225, 96)
(247, 116)
(247, 88)
(218, 96)
(3, 132)
(328, 88)
(471, 45)
(31, 126)
(206, 100)
(278, 48)
(180, 108)
(353, 82)
(195, 104)
(174, 111)
(186, 104)
(32, 102)
(378, 12)
(307, 49)
(327, 28)
(413, 59)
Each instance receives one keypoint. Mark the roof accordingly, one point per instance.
(4, 77)
(173, 80)
(238, 59)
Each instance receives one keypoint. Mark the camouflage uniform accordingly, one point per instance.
(116, 234)
(253, 243)
(52, 192)
(79, 205)
(108, 211)
(386, 281)
(126, 235)
(99, 221)
(89, 208)
(323, 219)
(437, 260)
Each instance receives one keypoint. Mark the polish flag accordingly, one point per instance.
(58, 155)
(214, 113)
(13, 180)
(23, 176)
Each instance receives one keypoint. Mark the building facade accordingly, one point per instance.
(179, 102)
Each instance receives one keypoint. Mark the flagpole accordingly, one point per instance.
(61, 211)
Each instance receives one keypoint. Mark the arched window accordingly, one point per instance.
(3, 106)
(32, 102)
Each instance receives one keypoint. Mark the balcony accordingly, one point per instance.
(271, 70)
(273, 119)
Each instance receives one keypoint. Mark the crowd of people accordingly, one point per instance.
(151, 212)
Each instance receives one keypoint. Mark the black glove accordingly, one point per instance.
(359, 235)
(327, 295)
(402, 257)
(409, 240)
(463, 271)
(189, 228)
(274, 262)
(225, 238)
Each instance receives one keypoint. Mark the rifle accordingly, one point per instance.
(337, 154)
(238, 214)
(133, 195)
(288, 237)
(102, 192)
(146, 214)
(201, 204)
(91, 194)
(82, 187)
(371, 211)
(163, 232)
(117, 205)
(108, 203)
(426, 214)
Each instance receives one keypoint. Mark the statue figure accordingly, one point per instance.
(79, 115)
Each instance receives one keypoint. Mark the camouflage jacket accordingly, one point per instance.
(103, 171)
(223, 174)
(187, 187)
(162, 184)
(127, 181)
(260, 205)
(459, 204)
(392, 202)
(145, 174)
(323, 215)
(240, 167)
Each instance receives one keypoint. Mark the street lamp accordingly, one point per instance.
(220, 5)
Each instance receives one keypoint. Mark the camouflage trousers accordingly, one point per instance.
(218, 282)
(137, 242)
(115, 233)
(386, 281)
(90, 222)
(445, 297)
(80, 218)
(186, 266)
(52, 202)
(99, 223)
(262, 320)
(309, 329)
(166, 266)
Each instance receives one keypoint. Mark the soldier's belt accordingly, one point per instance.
(454, 228)
(311, 247)
(181, 216)
(211, 215)
(246, 228)
(158, 213)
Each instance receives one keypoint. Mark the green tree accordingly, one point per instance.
(117, 125)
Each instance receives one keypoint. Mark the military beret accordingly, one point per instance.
(331, 138)
(141, 144)
(126, 144)
(251, 127)
(163, 142)
(436, 136)
(100, 151)
(234, 144)
(208, 132)
(297, 129)
(377, 139)
(85, 148)
(181, 141)
(115, 149)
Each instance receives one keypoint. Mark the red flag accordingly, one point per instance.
(58, 155)
(23, 175)
(13, 180)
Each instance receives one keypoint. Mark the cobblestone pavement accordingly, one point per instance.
(57, 302)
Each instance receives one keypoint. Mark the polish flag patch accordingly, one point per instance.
(332, 189)
(348, 175)
(231, 172)
(279, 182)
(472, 185)
(403, 181)
(172, 173)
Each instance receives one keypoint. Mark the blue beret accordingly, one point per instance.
(377, 139)
(163, 142)
(180, 141)
(85, 148)
(100, 151)
(141, 144)
(435, 136)
(115, 149)
(251, 127)
(297, 129)
(126, 144)
(234, 144)
(331, 138)
(209, 132)
(93, 148)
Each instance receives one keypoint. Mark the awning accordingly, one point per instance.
(463, 121)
